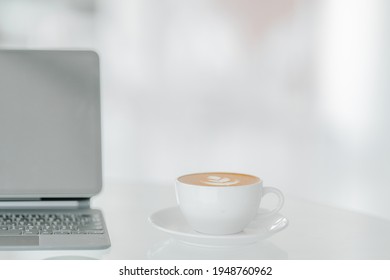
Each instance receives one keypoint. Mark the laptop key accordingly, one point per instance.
(31, 232)
(10, 232)
(94, 231)
(36, 224)
(90, 227)
(62, 232)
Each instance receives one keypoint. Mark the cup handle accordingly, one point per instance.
(279, 194)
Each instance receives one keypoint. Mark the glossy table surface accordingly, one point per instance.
(314, 232)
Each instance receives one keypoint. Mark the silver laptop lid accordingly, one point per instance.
(49, 124)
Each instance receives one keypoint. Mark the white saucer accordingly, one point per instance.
(171, 221)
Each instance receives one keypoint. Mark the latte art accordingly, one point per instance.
(219, 179)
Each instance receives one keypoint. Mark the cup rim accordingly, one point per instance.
(221, 172)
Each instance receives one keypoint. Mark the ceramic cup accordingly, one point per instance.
(221, 202)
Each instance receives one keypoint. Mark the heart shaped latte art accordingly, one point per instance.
(220, 181)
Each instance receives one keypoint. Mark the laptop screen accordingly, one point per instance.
(49, 124)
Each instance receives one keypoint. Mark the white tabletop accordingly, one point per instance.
(314, 232)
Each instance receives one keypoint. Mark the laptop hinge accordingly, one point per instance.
(45, 203)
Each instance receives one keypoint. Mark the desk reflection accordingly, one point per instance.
(178, 250)
(55, 255)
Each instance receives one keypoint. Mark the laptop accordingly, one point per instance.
(50, 150)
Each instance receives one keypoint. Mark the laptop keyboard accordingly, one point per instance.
(47, 223)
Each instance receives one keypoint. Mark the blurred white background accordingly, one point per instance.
(293, 91)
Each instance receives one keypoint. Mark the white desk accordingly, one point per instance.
(314, 232)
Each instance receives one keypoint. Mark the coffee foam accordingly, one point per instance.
(221, 179)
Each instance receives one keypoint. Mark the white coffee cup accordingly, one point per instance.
(222, 202)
